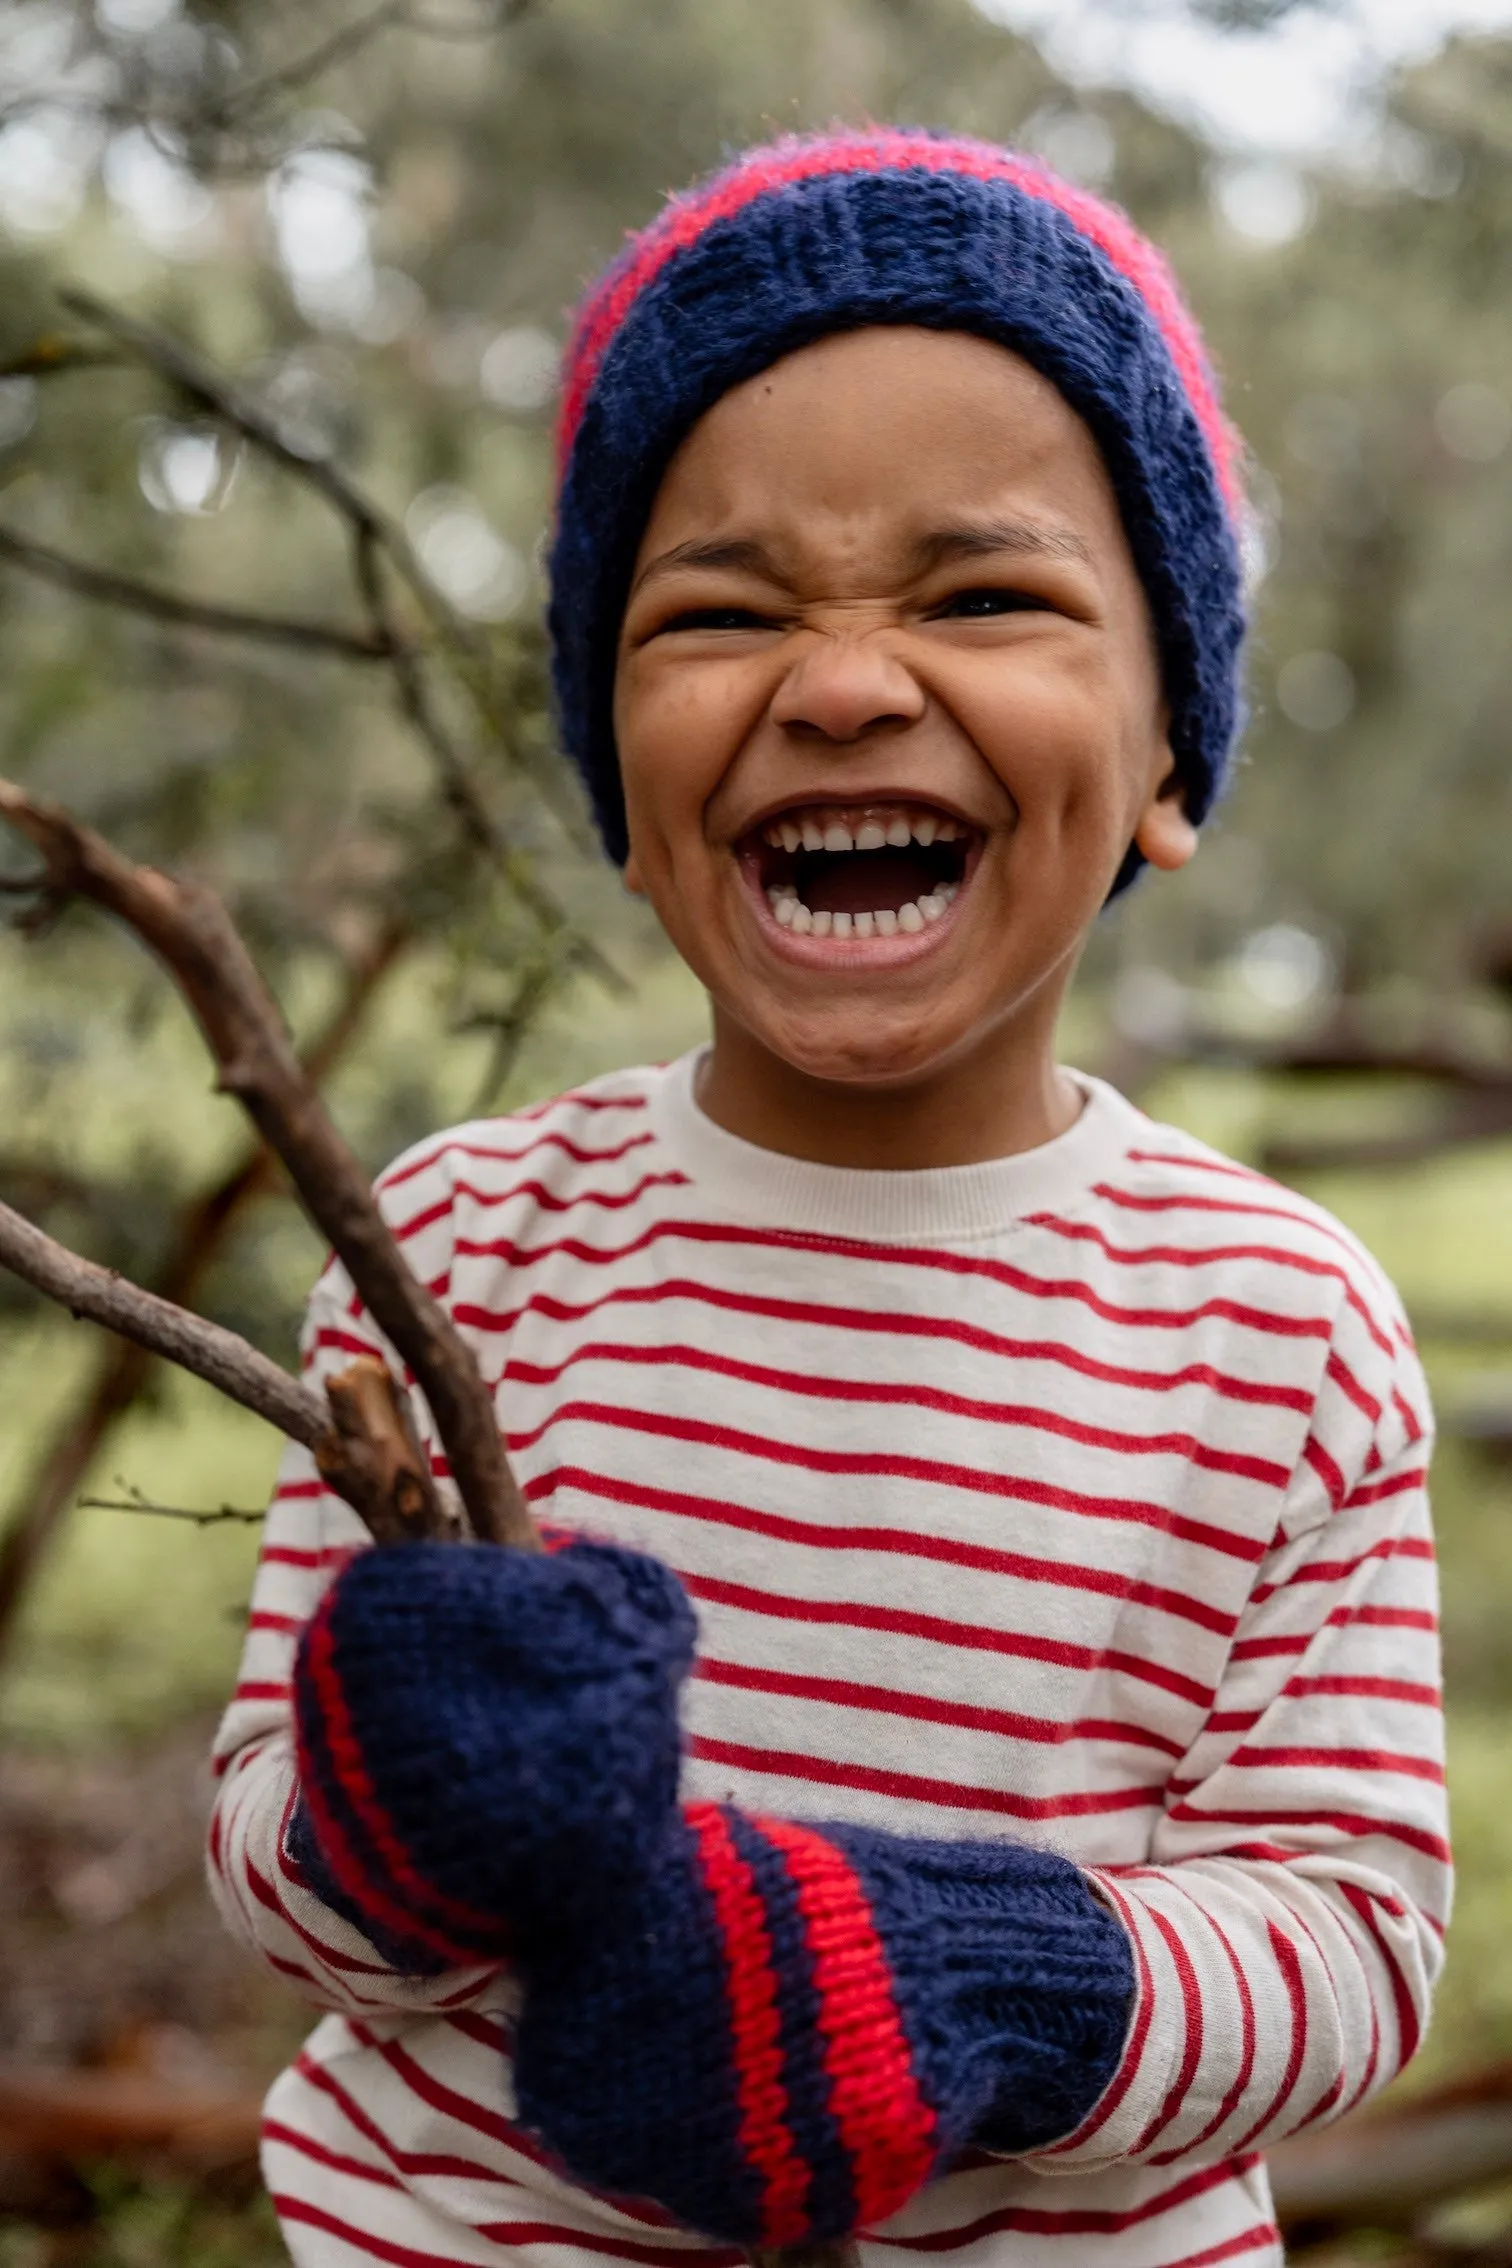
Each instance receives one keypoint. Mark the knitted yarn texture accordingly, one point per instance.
(794, 2027)
(774, 2030)
(837, 232)
(487, 1741)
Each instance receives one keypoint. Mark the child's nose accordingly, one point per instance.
(844, 688)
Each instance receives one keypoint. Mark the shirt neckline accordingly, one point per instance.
(923, 1204)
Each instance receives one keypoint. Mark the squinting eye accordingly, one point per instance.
(716, 618)
(976, 606)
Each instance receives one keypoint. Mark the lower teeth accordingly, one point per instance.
(791, 913)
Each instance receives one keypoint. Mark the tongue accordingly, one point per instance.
(865, 881)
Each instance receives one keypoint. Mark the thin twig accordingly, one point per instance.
(188, 929)
(135, 1501)
(458, 782)
(288, 78)
(114, 589)
(347, 40)
(219, 399)
(509, 1026)
(458, 785)
(157, 104)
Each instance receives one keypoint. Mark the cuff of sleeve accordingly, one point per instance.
(1132, 2108)
(402, 1947)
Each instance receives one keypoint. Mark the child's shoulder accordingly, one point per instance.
(600, 1122)
(1199, 1203)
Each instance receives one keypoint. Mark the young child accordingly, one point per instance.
(968, 1769)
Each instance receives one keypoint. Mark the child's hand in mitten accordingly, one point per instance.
(487, 1741)
(789, 2029)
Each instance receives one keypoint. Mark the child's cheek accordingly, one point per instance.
(1046, 729)
(673, 726)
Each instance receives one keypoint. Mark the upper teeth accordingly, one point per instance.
(829, 831)
(824, 828)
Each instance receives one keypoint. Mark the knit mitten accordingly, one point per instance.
(487, 1742)
(789, 2029)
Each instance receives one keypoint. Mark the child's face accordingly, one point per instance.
(888, 705)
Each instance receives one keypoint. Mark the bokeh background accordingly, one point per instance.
(269, 277)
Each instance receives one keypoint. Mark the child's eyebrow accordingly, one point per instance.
(739, 553)
(967, 539)
(979, 539)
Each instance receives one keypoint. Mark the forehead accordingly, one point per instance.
(871, 435)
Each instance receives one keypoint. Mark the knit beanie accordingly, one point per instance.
(834, 232)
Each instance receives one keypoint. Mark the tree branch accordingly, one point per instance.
(189, 931)
(375, 539)
(209, 392)
(359, 1435)
(372, 529)
(199, 1235)
(205, 117)
(113, 589)
(362, 1439)
(218, 1356)
(221, 1515)
(345, 40)
(415, 705)
(457, 780)
(349, 38)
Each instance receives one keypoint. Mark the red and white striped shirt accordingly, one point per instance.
(1076, 1496)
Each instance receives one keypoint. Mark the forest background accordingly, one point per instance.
(282, 298)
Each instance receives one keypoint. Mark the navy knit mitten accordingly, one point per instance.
(791, 2028)
(776, 2032)
(487, 1742)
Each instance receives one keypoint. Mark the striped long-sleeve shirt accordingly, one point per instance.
(1076, 1496)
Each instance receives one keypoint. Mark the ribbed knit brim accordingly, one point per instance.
(832, 233)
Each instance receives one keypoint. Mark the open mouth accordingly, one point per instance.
(870, 870)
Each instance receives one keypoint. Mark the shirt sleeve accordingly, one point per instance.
(1288, 1926)
(260, 1892)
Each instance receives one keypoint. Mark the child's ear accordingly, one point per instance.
(1165, 834)
(633, 882)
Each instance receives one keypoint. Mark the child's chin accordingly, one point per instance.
(859, 1050)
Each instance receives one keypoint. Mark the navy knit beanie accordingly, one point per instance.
(833, 232)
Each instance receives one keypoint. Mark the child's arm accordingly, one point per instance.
(1289, 1928)
(259, 1888)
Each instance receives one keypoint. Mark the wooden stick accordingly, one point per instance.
(373, 1438)
(359, 1433)
(190, 932)
(214, 1354)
